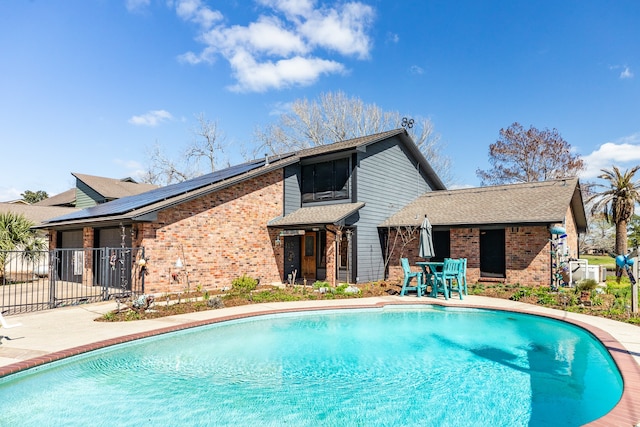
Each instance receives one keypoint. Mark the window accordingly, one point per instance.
(325, 181)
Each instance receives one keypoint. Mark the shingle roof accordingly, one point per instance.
(139, 206)
(66, 198)
(111, 188)
(535, 202)
(34, 213)
(324, 214)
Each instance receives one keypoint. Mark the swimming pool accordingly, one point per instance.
(391, 366)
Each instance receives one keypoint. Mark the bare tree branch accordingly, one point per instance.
(335, 117)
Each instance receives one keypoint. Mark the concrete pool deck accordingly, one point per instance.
(52, 335)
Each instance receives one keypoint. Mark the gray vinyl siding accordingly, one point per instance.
(387, 180)
(87, 196)
(292, 195)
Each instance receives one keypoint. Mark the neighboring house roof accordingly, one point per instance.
(325, 214)
(67, 198)
(111, 188)
(143, 206)
(528, 203)
(35, 214)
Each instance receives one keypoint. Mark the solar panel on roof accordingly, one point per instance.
(129, 203)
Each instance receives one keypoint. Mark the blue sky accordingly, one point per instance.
(89, 86)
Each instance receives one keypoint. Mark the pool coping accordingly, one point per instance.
(625, 413)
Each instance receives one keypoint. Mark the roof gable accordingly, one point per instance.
(111, 188)
(157, 199)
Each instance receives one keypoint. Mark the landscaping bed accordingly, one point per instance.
(612, 301)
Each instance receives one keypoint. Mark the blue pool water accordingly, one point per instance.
(396, 366)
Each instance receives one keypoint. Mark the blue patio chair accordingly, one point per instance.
(463, 274)
(409, 275)
(444, 280)
(457, 282)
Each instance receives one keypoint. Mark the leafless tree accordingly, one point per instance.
(208, 144)
(334, 117)
(530, 155)
(402, 235)
(202, 155)
(162, 170)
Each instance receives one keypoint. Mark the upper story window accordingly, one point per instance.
(325, 181)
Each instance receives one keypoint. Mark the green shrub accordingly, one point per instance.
(476, 289)
(521, 293)
(274, 295)
(244, 284)
(634, 320)
(320, 284)
(586, 285)
(545, 296)
(596, 300)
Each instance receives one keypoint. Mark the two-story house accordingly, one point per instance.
(324, 213)
(313, 214)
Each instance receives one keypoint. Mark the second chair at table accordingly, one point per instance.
(444, 280)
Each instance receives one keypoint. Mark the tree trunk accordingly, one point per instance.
(621, 238)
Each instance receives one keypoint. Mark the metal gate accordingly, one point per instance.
(33, 281)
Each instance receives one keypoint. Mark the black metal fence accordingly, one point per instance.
(33, 281)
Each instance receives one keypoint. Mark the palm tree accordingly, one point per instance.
(16, 235)
(617, 200)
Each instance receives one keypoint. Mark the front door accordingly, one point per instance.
(291, 258)
(309, 255)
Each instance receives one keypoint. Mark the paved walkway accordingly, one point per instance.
(54, 334)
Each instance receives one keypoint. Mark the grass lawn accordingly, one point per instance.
(605, 260)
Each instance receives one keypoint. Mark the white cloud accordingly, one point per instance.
(626, 73)
(392, 37)
(256, 76)
(286, 46)
(195, 11)
(136, 5)
(341, 30)
(624, 153)
(416, 69)
(133, 168)
(280, 108)
(267, 37)
(292, 8)
(152, 118)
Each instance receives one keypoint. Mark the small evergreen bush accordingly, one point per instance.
(244, 284)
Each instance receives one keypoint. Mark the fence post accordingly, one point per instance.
(634, 286)
(53, 272)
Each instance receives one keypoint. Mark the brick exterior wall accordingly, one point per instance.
(218, 237)
(527, 251)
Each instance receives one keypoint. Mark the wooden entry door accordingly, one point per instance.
(309, 255)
